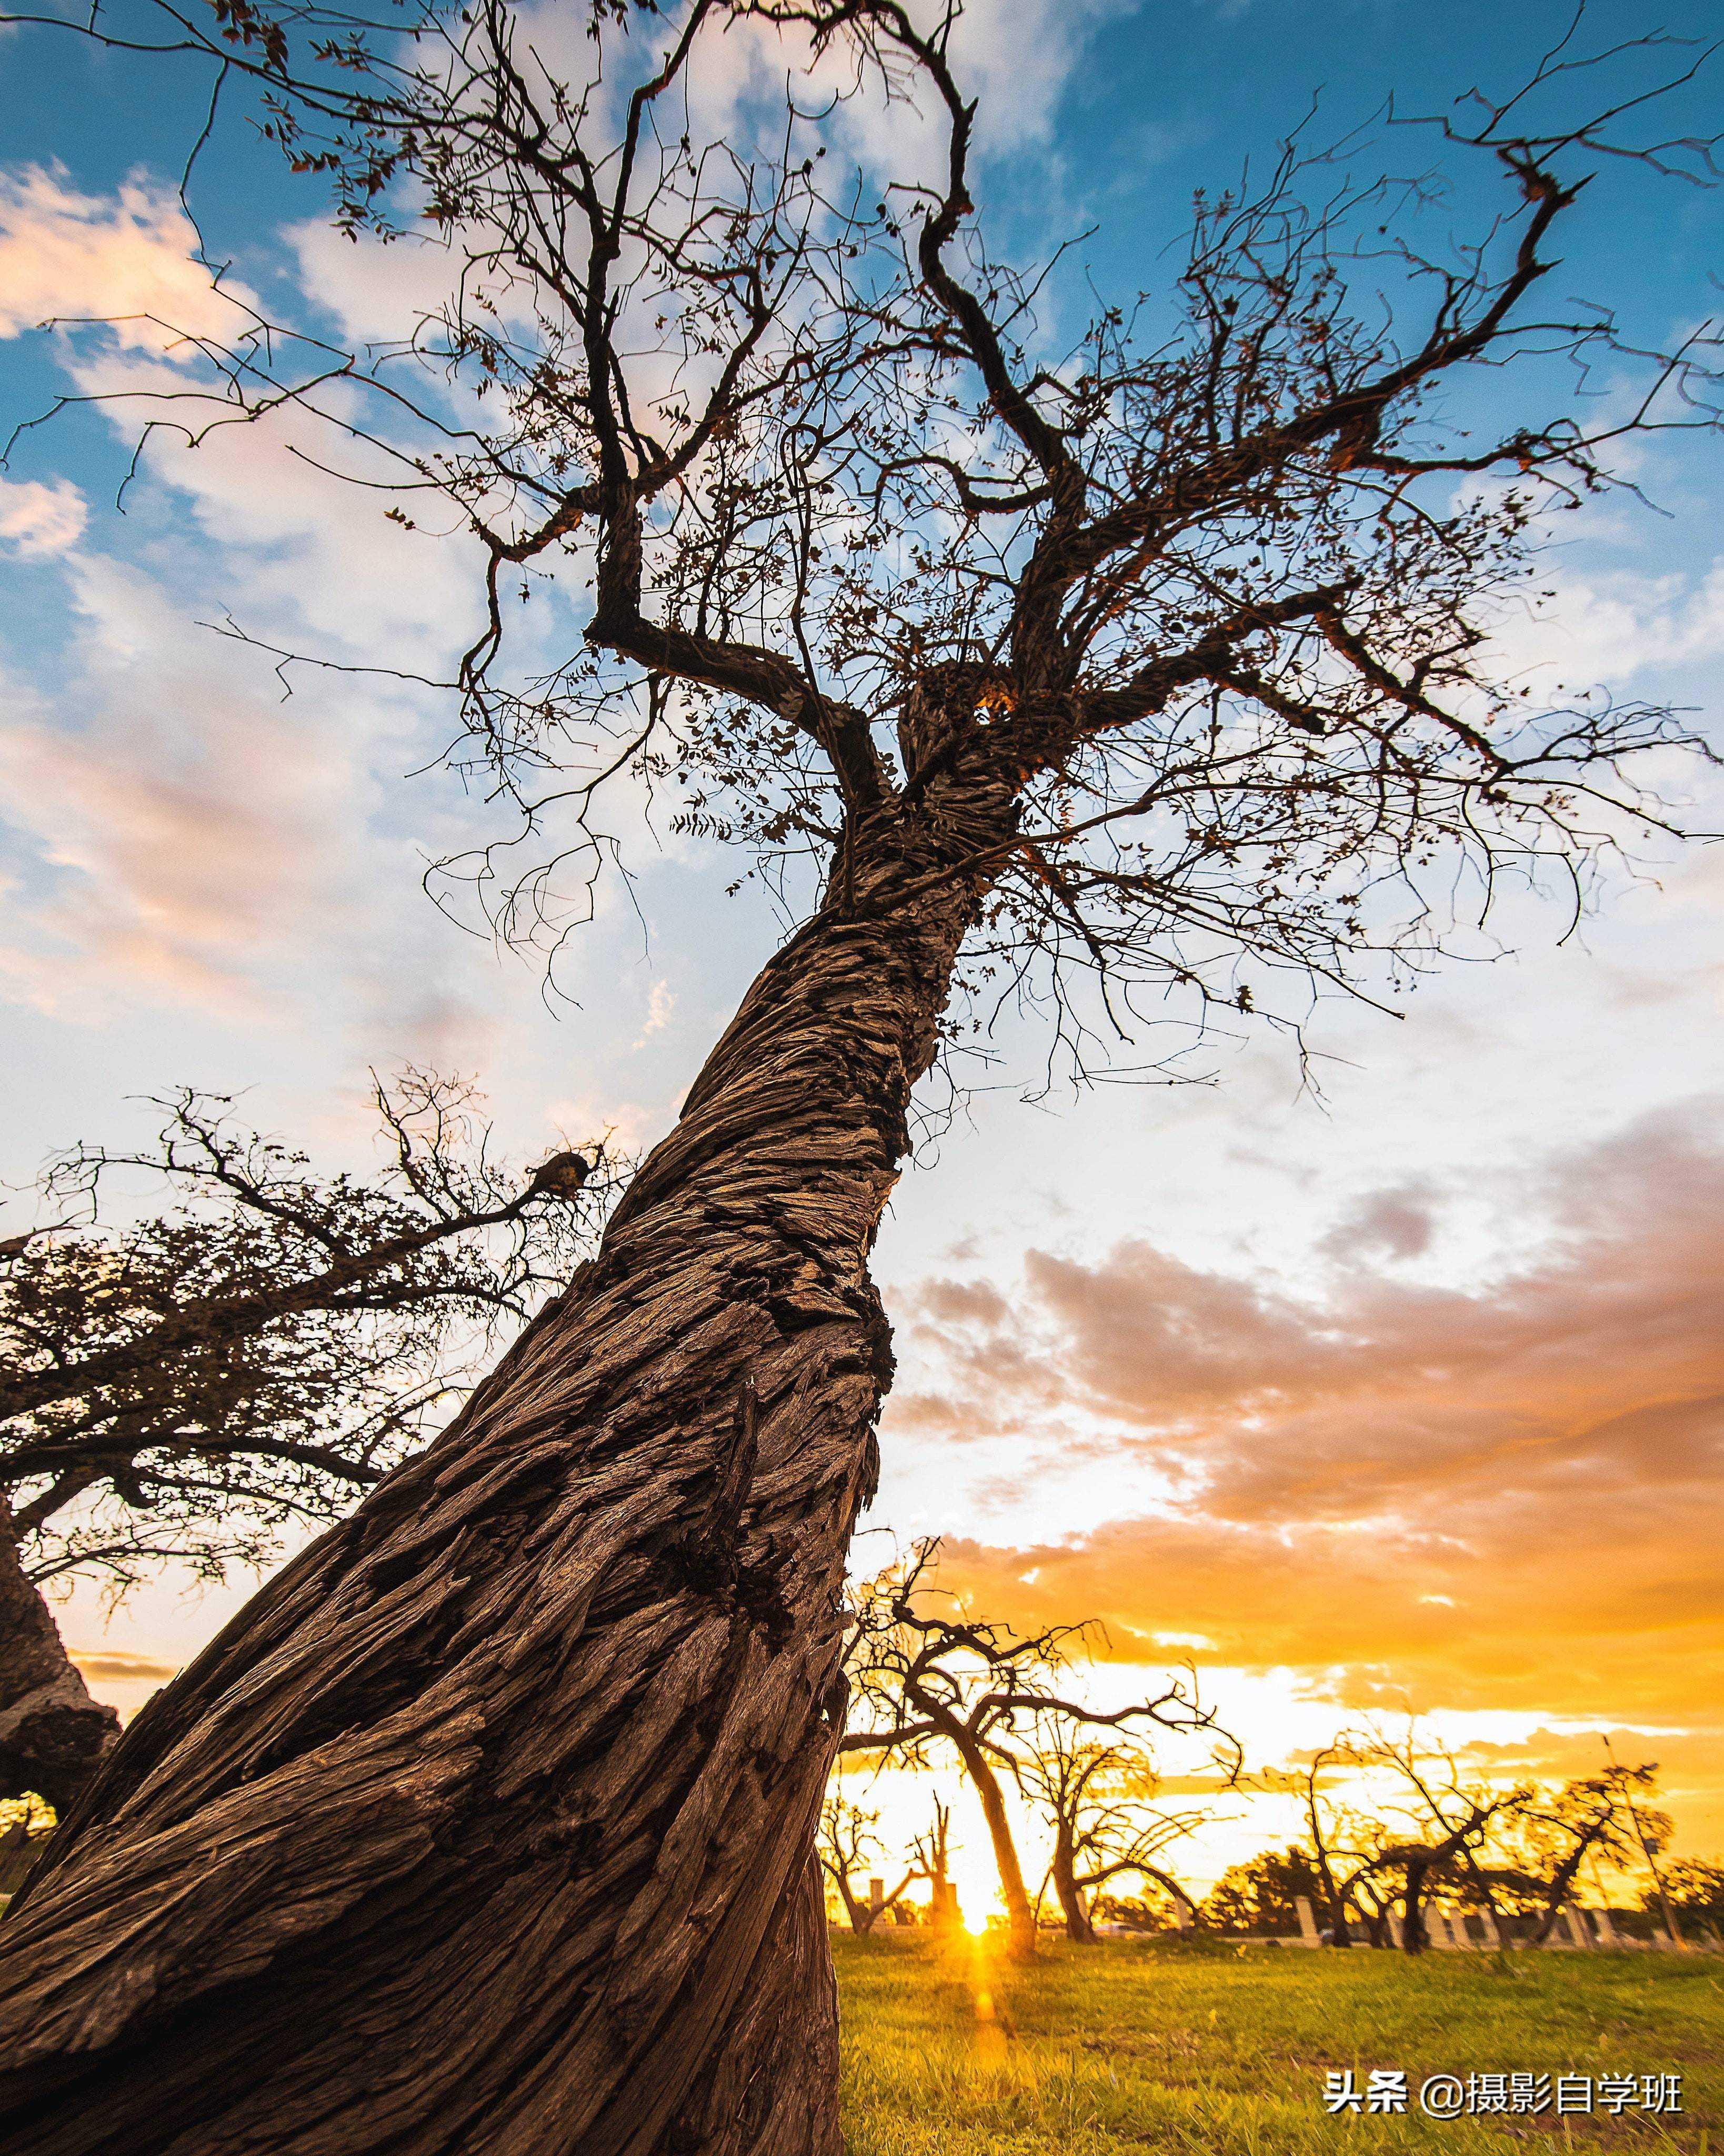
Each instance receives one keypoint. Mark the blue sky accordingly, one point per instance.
(205, 884)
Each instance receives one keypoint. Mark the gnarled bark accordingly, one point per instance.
(53, 1735)
(486, 1829)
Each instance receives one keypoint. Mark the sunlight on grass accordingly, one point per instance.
(952, 2050)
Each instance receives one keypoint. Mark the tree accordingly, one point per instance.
(1520, 1847)
(185, 1385)
(1154, 661)
(1259, 1895)
(927, 1679)
(1346, 1846)
(1594, 1815)
(933, 1851)
(1650, 1834)
(1097, 1797)
(846, 1834)
(1691, 1887)
(1454, 1819)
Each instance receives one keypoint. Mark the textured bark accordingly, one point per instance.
(53, 1735)
(487, 1829)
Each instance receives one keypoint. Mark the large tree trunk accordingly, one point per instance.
(1412, 1931)
(1020, 1917)
(1079, 1924)
(487, 1829)
(53, 1735)
(1339, 1935)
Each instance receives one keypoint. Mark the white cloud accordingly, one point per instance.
(1614, 627)
(128, 260)
(41, 520)
(188, 837)
(377, 290)
(661, 1003)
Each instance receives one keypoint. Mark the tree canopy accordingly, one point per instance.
(1207, 577)
(185, 1384)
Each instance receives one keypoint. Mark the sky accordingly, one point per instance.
(1398, 1392)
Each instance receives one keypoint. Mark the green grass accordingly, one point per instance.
(950, 2051)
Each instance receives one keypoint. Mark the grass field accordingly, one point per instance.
(950, 2051)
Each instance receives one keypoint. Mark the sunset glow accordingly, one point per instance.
(1389, 1382)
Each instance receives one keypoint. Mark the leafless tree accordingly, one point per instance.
(1453, 1816)
(1651, 1835)
(1347, 1844)
(184, 1385)
(1150, 661)
(927, 1678)
(1515, 1848)
(1099, 1799)
(933, 1850)
(1601, 1816)
(846, 1837)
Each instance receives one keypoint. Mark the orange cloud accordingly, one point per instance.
(1502, 1494)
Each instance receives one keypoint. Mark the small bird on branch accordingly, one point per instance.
(561, 1176)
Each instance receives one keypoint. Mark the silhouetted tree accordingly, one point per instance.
(1437, 1827)
(926, 1680)
(1691, 1887)
(1347, 1844)
(1259, 1895)
(1552, 1834)
(1154, 660)
(846, 1836)
(1099, 1799)
(185, 1385)
(933, 1852)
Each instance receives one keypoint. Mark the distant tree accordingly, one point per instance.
(1258, 1895)
(846, 1836)
(1691, 1887)
(1516, 1848)
(1650, 1840)
(1347, 1844)
(933, 1852)
(184, 1385)
(1552, 1834)
(924, 1678)
(1098, 1798)
(1435, 1826)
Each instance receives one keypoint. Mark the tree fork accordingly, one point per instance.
(487, 1827)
